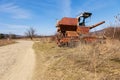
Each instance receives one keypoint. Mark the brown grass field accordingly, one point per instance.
(4, 42)
(84, 62)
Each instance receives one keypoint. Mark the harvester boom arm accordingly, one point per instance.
(95, 25)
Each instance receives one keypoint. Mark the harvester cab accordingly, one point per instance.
(82, 17)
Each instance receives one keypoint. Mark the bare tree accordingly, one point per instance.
(30, 33)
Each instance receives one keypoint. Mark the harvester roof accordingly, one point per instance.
(68, 22)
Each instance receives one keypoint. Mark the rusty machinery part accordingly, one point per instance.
(71, 31)
(89, 39)
(68, 42)
(93, 26)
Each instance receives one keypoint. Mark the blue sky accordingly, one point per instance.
(18, 15)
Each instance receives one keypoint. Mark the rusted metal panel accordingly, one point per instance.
(68, 28)
(83, 30)
(72, 34)
(64, 40)
(68, 21)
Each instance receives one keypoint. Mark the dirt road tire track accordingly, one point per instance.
(17, 61)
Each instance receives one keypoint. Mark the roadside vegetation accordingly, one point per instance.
(112, 32)
(4, 42)
(6, 39)
(84, 62)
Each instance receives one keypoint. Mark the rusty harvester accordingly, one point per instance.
(71, 30)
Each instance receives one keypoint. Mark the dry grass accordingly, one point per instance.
(4, 42)
(112, 32)
(85, 62)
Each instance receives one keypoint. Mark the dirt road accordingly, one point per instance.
(17, 61)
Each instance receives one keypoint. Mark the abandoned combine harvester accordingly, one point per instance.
(71, 30)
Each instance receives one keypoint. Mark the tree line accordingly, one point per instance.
(5, 36)
(29, 33)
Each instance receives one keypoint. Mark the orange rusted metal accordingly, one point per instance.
(89, 39)
(93, 26)
(65, 40)
(83, 30)
(72, 34)
(71, 29)
(68, 22)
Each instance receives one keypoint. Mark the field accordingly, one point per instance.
(42, 59)
(6, 42)
(84, 62)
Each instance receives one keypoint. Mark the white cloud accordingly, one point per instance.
(13, 26)
(15, 11)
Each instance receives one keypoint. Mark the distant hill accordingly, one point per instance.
(110, 32)
(14, 36)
